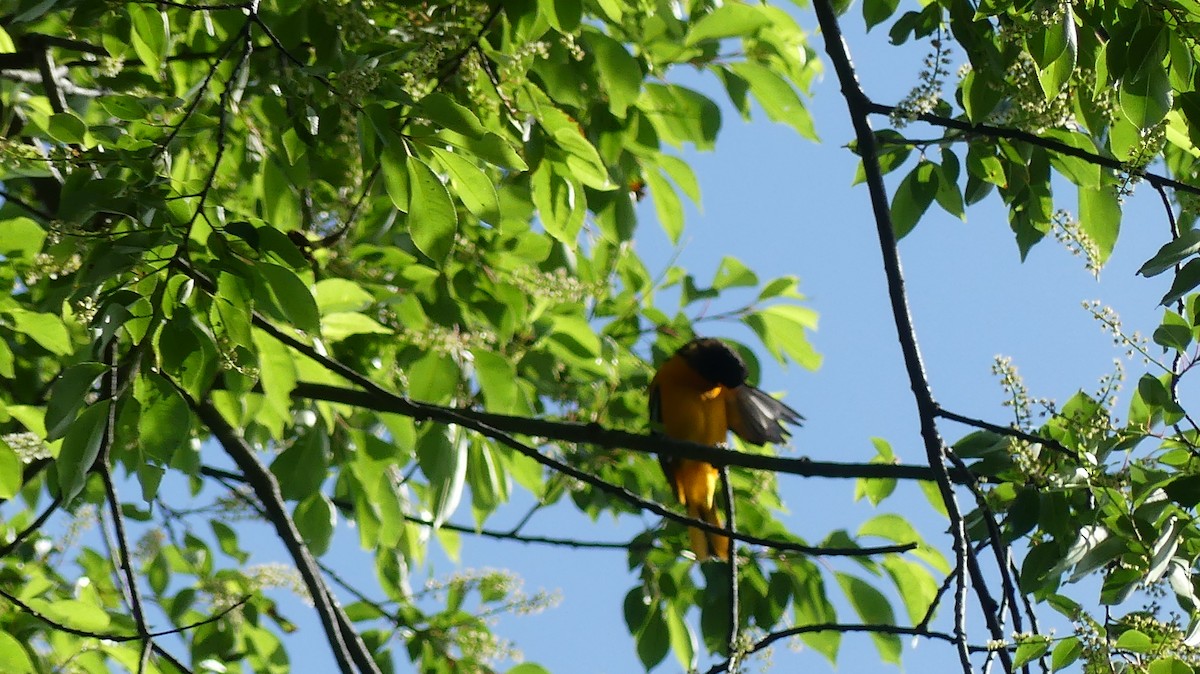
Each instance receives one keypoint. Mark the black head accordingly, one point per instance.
(715, 361)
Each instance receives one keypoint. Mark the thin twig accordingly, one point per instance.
(1033, 139)
(120, 638)
(731, 522)
(1008, 431)
(111, 388)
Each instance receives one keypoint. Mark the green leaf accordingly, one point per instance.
(680, 115)
(731, 273)
(1174, 332)
(666, 204)
(47, 330)
(1054, 50)
(442, 456)
(914, 583)
(620, 72)
(228, 541)
(731, 19)
(980, 95)
(1100, 218)
(66, 128)
(562, 15)
(683, 641)
(986, 166)
(811, 606)
(433, 378)
(491, 148)
(528, 668)
(486, 477)
(149, 34)
(1185, 282)
(498, 380)
(13, 656)
(68, 394)
(124, 107)
(164, 419)
(681, 174)
(73, 613)
(340, 325)
(301, 468)
(582, 159)
(877, 489)
(471, 185)
(315, 519)
(445, 112)
(80, 447)
(432, 219)
(948, 196)
(913, 196)
(1146, 98)
(891, 527)
(1135, 641)
(782, 330)
(392, 164)
(873, 607)
(1169, 665)
(21, 237)
(292, 296)
(276, 373)
(1029, 651)
(1078, 170)
(10, 477)
(876, 12)
(653, 640)
(337, 295)
(1066, 653)
(777, 98)
(558, 204)
(1171, 254)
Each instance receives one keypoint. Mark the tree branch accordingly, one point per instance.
(1033, 139)
(348, 649)
(595, 434)
(860, 107)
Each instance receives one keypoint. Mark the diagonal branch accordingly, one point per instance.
(348, 649)
(860, 107)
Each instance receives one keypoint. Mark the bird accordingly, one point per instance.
(700, 394)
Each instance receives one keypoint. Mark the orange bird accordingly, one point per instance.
(700, 394)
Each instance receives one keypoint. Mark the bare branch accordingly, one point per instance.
(860, 107)
(595, 434)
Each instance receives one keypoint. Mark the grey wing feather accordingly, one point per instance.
(761, 417)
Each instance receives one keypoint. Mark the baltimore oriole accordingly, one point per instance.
(700, 394)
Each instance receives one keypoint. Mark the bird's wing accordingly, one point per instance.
(758, 418)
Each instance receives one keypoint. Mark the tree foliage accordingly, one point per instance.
(323, 264)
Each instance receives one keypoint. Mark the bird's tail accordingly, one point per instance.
(707, 544)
